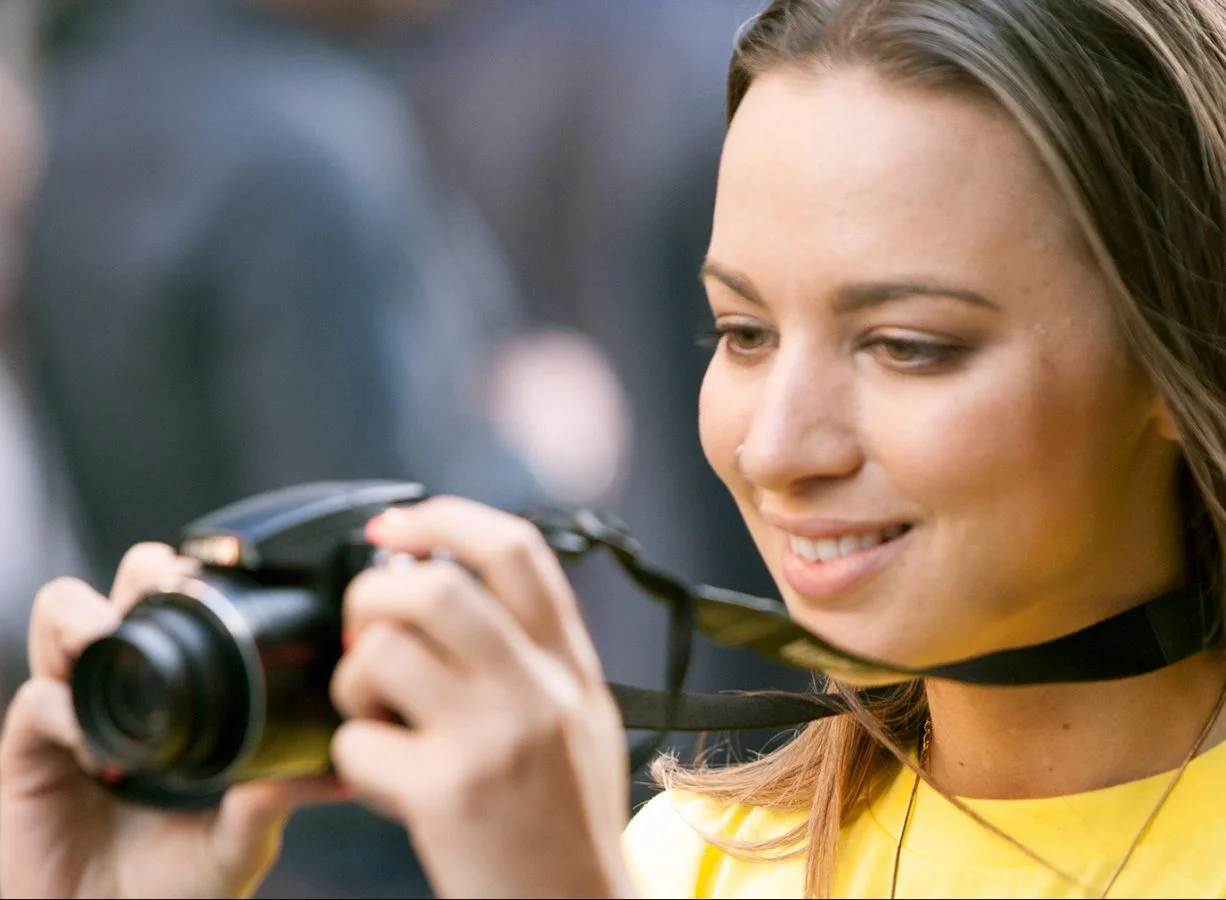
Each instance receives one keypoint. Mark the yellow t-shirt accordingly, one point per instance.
(947, 854)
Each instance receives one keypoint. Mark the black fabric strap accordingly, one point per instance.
(670, 702)
(1156, 634)
(650, 709)
(1163, 631)
(1145, 638)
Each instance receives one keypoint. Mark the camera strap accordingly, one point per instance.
(1150, 636)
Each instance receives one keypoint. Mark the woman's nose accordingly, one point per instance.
(803, 427)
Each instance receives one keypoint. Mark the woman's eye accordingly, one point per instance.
(910, 354)
(737, 338)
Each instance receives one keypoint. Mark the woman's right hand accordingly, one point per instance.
(61, 833)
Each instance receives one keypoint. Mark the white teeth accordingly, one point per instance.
(827, 549)
(802, 548)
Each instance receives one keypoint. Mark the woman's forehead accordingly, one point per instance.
(845, 165)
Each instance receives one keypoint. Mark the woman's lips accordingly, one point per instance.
(823, 568)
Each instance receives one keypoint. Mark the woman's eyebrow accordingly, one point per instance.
(852, 297)
(855, 297)
(734, 281)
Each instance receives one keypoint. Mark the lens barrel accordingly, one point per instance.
(214, 680)
(158, 692)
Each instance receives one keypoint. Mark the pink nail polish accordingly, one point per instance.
(377, 527)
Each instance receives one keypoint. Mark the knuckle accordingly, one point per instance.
(521, 543)
(376, 642)
(361, 589)
(17, 716)
(353, 675)
(64, 613)
(52, 593)
(571, 707)
(32, 705)
(340, 688)
(369, 654)
(443, 584)
(142, 566)
(147, 554)
(345, 748)
(29, 695)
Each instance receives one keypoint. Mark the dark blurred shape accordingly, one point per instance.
(36, 534)
(247, 273)
(589, 133)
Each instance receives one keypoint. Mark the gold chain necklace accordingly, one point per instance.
(920, 761)
(926, 742)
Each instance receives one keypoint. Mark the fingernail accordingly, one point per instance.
(111, 774)
(377, 528)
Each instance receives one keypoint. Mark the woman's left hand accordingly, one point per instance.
(512, 778)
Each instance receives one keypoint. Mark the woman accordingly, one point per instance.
(967, 270)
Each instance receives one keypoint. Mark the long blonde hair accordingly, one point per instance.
(1125, 103)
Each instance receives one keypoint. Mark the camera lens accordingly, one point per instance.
(211, 680)
(136, 694)
(164, 691)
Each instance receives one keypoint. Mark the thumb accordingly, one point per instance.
(40, 734)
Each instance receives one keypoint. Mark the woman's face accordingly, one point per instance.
(944, 448)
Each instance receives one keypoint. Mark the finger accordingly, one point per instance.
(39, 726)
(391, 669)
(143, 569)
(512, 559)
(67, 615)
(443, 602)
(373, 759)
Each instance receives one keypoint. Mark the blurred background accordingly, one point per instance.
(250, 243)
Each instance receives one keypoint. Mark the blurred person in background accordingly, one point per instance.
(242, 260)
(36, 534)
(246, 273)
(587, 133)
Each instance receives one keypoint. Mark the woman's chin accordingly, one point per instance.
(859, 679)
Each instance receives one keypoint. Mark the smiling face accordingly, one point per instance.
(944, 447)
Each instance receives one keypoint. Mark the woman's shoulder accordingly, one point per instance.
(676, 814)
(671, 843)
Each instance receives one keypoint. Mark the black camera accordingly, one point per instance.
(223, 677)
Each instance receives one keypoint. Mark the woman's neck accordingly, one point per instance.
(1051, 740)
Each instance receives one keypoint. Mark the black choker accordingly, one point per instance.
(1157, 633)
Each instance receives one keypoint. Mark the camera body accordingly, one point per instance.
(224, 676)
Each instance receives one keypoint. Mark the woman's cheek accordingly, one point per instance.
(939, 437)
(722, 424)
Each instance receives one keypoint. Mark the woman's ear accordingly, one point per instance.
(1164, 422)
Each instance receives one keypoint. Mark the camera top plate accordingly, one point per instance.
(292, 528)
